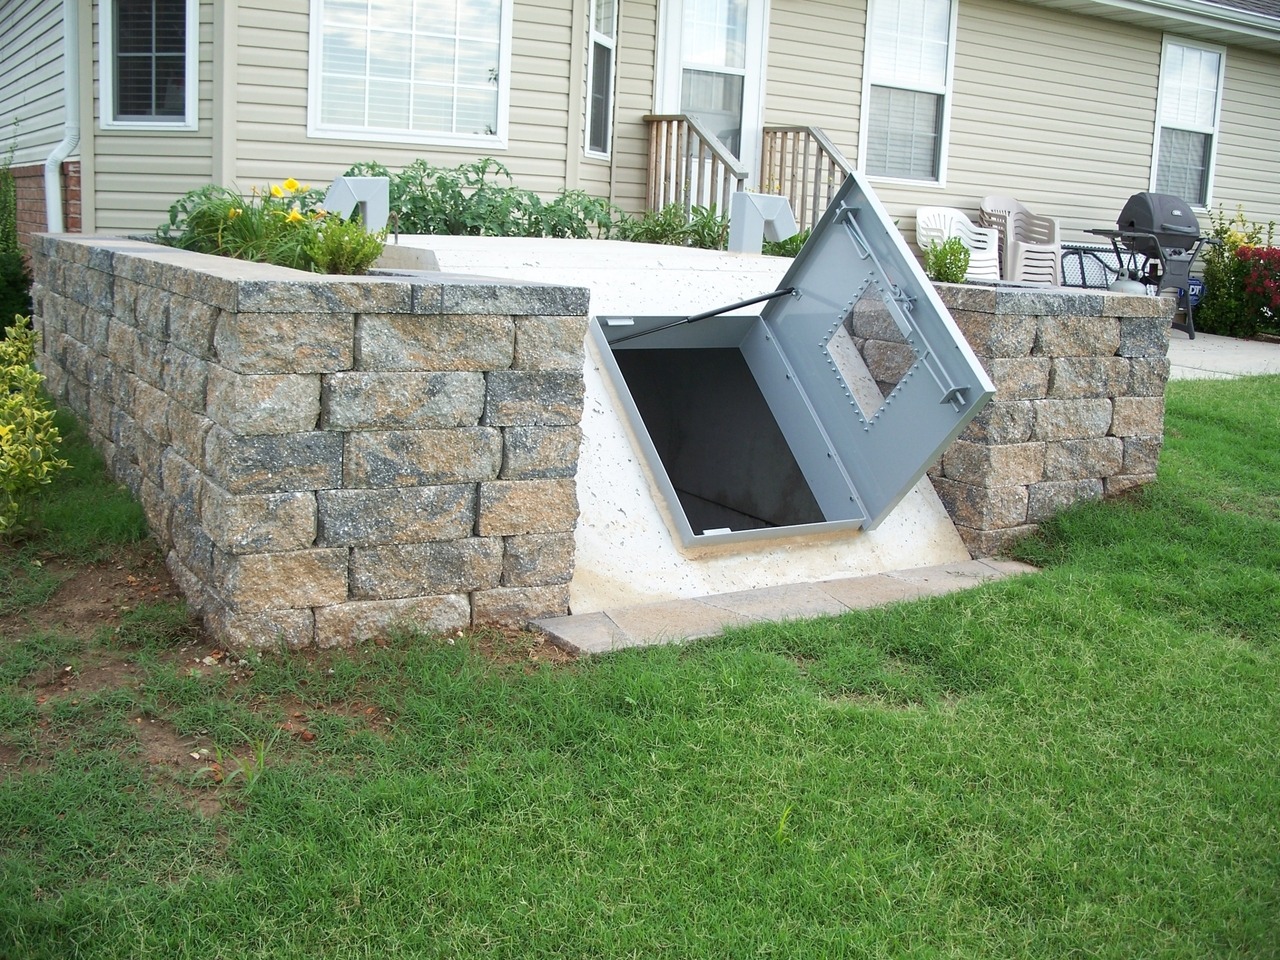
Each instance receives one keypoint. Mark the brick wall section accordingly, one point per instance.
(325, 458)
(29, 181)
(1078, 412)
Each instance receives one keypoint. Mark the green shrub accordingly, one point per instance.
(702, 228)
(28, 437)
(284, 224)
(479, 200)
(1223, 307)
(947, 262)
(15, 281)
(787, 248)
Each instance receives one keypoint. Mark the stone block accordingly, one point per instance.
(993, 543)
(94, 329)
(297, 343)
(274, 464)
(123, 345)
(1001, 422)
(417, 458)
(196, 592)
(871, 319)
(1051, 497)
(1148, 376)
(400, 342)
(425, 569)
(262, 404)
(532, 453)
(405, 515)
(151, 313)
(191, 326)
(183, 485)
(887, 362)
(256, 582)
(265, 629)
(1142, 454)
(1019, 378)
(124, 297)
(1126, 483)
(185, 378)
(550, 343)
(1143, 337)
(991, 335)
(1067, 336)
(404, 401)
(1071, 419)
(326, 295)
(514, 607)
(538, 559)
(188, 432)
(983, 508)
(195, 549)
(157, 508)
(359, 621)
(463, 295)
(511, 508)
(1138, 417)
(1083, 459)
(1129, 305)
(533, 398)
(1091, 377)
(151, 410)
(258, 523)
(1001, 466)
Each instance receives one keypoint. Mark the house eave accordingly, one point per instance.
(1195, 19)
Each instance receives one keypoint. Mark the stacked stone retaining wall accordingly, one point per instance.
(325, 458)
(1079, 407)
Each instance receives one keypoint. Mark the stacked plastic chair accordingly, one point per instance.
(936, 224)
(1030, 249)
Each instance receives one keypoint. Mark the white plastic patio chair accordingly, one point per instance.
(936, 224)
(1030, 248)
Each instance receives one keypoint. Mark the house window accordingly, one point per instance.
(149, 63)
(430, 71)
(1187, 110)
(604, 40)
(907, 88)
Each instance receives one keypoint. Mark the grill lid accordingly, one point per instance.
(1167, 217)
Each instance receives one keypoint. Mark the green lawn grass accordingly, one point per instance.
(1082, 763)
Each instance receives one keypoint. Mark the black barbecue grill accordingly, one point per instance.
(1161, 228)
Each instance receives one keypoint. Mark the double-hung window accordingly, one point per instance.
(426, 71)
(906, 88)
(148, 56)
(1187, 110)
(603, 44)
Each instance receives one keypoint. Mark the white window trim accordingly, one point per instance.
(496, 141)
(945, 91)
(107, 75)
(1213, 131)
(596, 37)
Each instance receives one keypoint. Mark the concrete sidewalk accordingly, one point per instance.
(1210, 357)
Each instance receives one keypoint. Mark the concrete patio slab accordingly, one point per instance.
(1210, 357)
(679, 620)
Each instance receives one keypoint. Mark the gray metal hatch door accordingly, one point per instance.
(859, 455)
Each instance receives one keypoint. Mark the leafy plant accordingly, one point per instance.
(947, 262)
(227, 767)
(707, 229)
(28, 437)
(1223, 308)
(479, 199)
(1262, 285)
(787, 248)
(666, 226)
(284, 224)
(15, 280)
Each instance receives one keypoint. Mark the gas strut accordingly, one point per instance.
(704, 316)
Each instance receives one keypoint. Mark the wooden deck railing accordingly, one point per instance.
(801, 164)
(689, 165)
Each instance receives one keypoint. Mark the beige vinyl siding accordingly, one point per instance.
(32, 109)
(815, 68)
(1247, 172)
(271, 109)
(1055, 109)
(637, 54)
(135, 175)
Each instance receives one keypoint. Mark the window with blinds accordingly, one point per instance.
(907, 84)
(604, 41)
(148, 63)
(1190, 101)
(420, 70)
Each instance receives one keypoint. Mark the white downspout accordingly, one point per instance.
(71, 136)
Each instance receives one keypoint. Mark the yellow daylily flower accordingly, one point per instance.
(295, 216)
(276, 191)
(291, 185)
(233, 213)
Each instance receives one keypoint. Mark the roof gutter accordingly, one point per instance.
(71, 129)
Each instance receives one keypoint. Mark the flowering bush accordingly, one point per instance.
(1262, 285)
(284, 224)
(1223, 308)
(28, 438)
